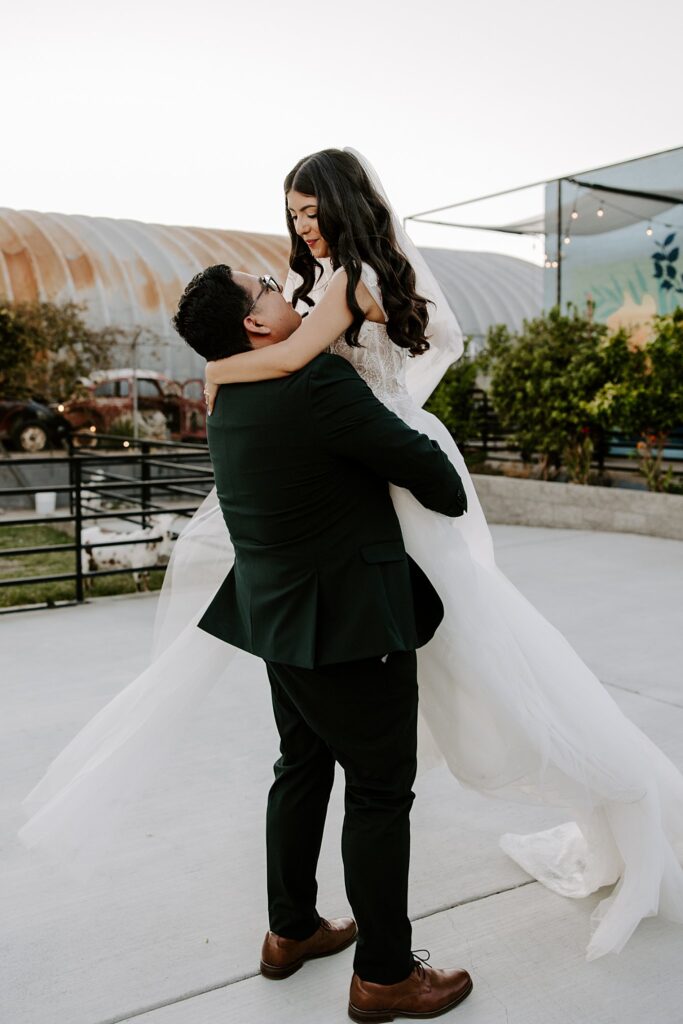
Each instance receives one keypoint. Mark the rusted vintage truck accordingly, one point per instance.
(166, 409)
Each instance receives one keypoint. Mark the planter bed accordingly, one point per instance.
(572, 506)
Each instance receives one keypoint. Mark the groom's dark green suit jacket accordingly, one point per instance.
(302, 466)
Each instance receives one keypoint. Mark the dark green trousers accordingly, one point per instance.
(362, 714)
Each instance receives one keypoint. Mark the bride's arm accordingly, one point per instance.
(323, 325)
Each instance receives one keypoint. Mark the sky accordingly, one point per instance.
(192, 113)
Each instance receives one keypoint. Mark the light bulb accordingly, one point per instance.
(601, 212)
(648, 231)
(574, 215)
(554, 264)
(567, 239)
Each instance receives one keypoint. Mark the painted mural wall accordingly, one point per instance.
(621, 252)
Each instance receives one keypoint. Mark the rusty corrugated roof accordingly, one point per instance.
(130, 274)
(127, 273)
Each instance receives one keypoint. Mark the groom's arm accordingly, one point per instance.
(354, 424)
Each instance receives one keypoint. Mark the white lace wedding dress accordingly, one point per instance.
(517, 714)
(514, 711)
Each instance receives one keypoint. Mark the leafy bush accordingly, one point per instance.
(564, 383)
(643, 394)
(46, 347)
(543, 381)
(454, 402)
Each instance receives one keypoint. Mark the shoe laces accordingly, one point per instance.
(420, 962)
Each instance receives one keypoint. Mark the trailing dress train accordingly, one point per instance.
(513, 710)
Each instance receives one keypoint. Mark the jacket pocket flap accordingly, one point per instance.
(387, 551)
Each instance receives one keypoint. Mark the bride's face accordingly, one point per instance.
(304, 213)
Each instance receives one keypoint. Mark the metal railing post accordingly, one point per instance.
(484, 422)
(184, 483)
(78, 527)
(145, 490)
(71, 457)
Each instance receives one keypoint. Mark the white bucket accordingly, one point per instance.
(46, 502)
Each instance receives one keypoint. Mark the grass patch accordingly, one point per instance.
(49, 564)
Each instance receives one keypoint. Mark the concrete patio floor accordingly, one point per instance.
(170, 934)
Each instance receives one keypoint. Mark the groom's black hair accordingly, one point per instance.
(211, 312)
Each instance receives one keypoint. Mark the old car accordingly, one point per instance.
(30, 426)
(166, 409)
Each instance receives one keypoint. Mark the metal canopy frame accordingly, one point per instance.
(426, 216)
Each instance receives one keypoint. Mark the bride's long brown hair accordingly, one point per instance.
(356, 224)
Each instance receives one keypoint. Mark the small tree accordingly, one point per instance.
(45, 348)
(644, 394)
(16, 353)
(453, 401)
(542, 383)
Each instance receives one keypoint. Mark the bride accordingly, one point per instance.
(512, 708)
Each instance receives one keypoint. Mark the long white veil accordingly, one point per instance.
(445, 337)
(203, 554)
(514, 710)
(76, 805)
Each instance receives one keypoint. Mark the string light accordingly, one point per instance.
(567, 239)
(600, 212)
(611, 205)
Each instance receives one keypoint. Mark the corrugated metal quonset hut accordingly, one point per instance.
(130, 274)
(127, 274)
(487, 288)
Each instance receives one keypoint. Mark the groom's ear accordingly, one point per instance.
(254, 326)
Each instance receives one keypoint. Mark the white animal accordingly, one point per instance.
(91, 500)
(156, 550)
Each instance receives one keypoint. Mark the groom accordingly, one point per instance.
(323, 591)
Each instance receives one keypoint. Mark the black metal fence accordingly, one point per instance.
(616, 452)
(143, 479)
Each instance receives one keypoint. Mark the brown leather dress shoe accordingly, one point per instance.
(424, 993)
(281, 957)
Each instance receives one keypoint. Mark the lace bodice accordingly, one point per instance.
(380, 363)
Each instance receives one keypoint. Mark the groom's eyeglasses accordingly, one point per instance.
(268, 284)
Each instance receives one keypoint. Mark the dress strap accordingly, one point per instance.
(371, 281)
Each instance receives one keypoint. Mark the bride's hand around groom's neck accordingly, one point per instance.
(210, 392)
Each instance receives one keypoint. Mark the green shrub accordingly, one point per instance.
(564, 383)
(45, 348)
(644, 394)
(454, 399)
(543, 381)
